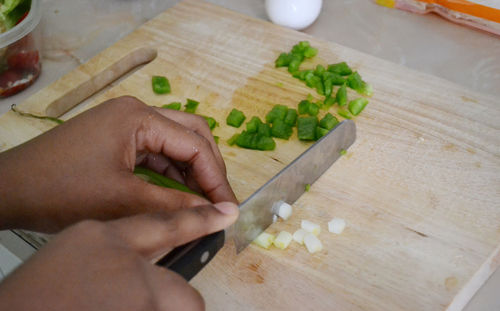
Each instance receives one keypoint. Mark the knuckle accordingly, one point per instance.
(90, 227)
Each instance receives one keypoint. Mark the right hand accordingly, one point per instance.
(107, 265)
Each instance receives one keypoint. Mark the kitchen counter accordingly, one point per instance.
(428, 43)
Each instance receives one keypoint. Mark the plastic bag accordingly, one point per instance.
(482, 14)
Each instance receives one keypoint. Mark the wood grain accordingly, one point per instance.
(420, 189)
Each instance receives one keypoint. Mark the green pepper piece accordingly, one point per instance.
(310, 52)
(341, 96)
(300, 47)
(327, 103)
(277, 112)
(336, 78)
(160, 180)
(320, 132)
(235, 118)
(304, 106)
(306, 128)
(291, 117)
(328, 122)
(313, 109)
(232, 140)
(310, 97)
(253, 125)
(294, 64)
(191, 106)
(264, 130)
(307, 187)
(255, 141)
(341, 68)
(319, 71)
(355, 82)
(312, 80)
(160, 85)
(301, 75)
(216, 138)
(357, 105)
(212, 123)
(281, 130)
(343, 152)
(173, 106)
(344, 113)
(328, 87)
(283, 60)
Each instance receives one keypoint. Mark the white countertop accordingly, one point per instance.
(75, 31)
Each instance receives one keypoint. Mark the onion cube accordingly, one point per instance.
(285, 210)
(298, 236)
(310, 227)
(283, 240)
(264, 240)
(336, 225)
(312, 243)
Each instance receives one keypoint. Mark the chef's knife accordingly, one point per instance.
(256, 212)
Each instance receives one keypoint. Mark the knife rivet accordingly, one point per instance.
(204, 257)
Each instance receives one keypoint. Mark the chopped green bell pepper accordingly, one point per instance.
(328, 122)
(291, 117)
(278, 112)
(173, 106)
(341, 68)
(357, 105)
(161, 85)
(306, 128)
(191, 106)
(281, 130)
(341, 96)
(235, 118)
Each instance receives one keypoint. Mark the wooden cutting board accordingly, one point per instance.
(420, 188)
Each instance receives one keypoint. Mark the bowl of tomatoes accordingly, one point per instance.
(20, 45)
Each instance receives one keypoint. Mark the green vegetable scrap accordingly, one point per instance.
(320, 132)
(328, 122)
(281, 130)
(307, 187)
(173, 106)
(277, 113)
(343, 152)
(231, 141)
(327, 103)
(307, 107)
(306, 128)
(255, 141)
(216, 138)
(191, 106)
(294, 59)
(235, 118)
(212, 123)
(334, 77)
(319, 71)
(341, 97)
(264, 130)
(357, 105)
(160, 180)
(355, 82)
(161, 85)
(340, 68)
(344, 113)
(253, 125)
(291, 117)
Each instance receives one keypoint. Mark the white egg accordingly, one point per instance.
(295, 14)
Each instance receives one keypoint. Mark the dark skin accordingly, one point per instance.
(79, 176)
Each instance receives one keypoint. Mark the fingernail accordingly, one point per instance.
(227, 208)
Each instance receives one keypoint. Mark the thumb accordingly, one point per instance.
(155, 234)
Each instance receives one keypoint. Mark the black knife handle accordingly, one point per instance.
(190, 258)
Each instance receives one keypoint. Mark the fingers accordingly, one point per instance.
(199, 125)
(173, 292)
(160, 164)
(155, 234)
(158, 134)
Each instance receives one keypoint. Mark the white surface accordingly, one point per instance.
(295, 14)
(77, 30)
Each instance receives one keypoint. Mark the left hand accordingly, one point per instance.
(83, 168)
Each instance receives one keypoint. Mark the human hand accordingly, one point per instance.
(83, 168)
(107, 265)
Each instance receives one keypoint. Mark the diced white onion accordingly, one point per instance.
(298, 236)
(310, 227)
(285, 210)
(283, 240)
(312, 243)
(336, 225)
(264, 240)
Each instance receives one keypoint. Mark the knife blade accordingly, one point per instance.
(256, 212)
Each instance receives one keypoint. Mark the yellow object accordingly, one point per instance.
(386, 3)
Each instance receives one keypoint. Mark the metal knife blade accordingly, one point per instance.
(256, 212)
